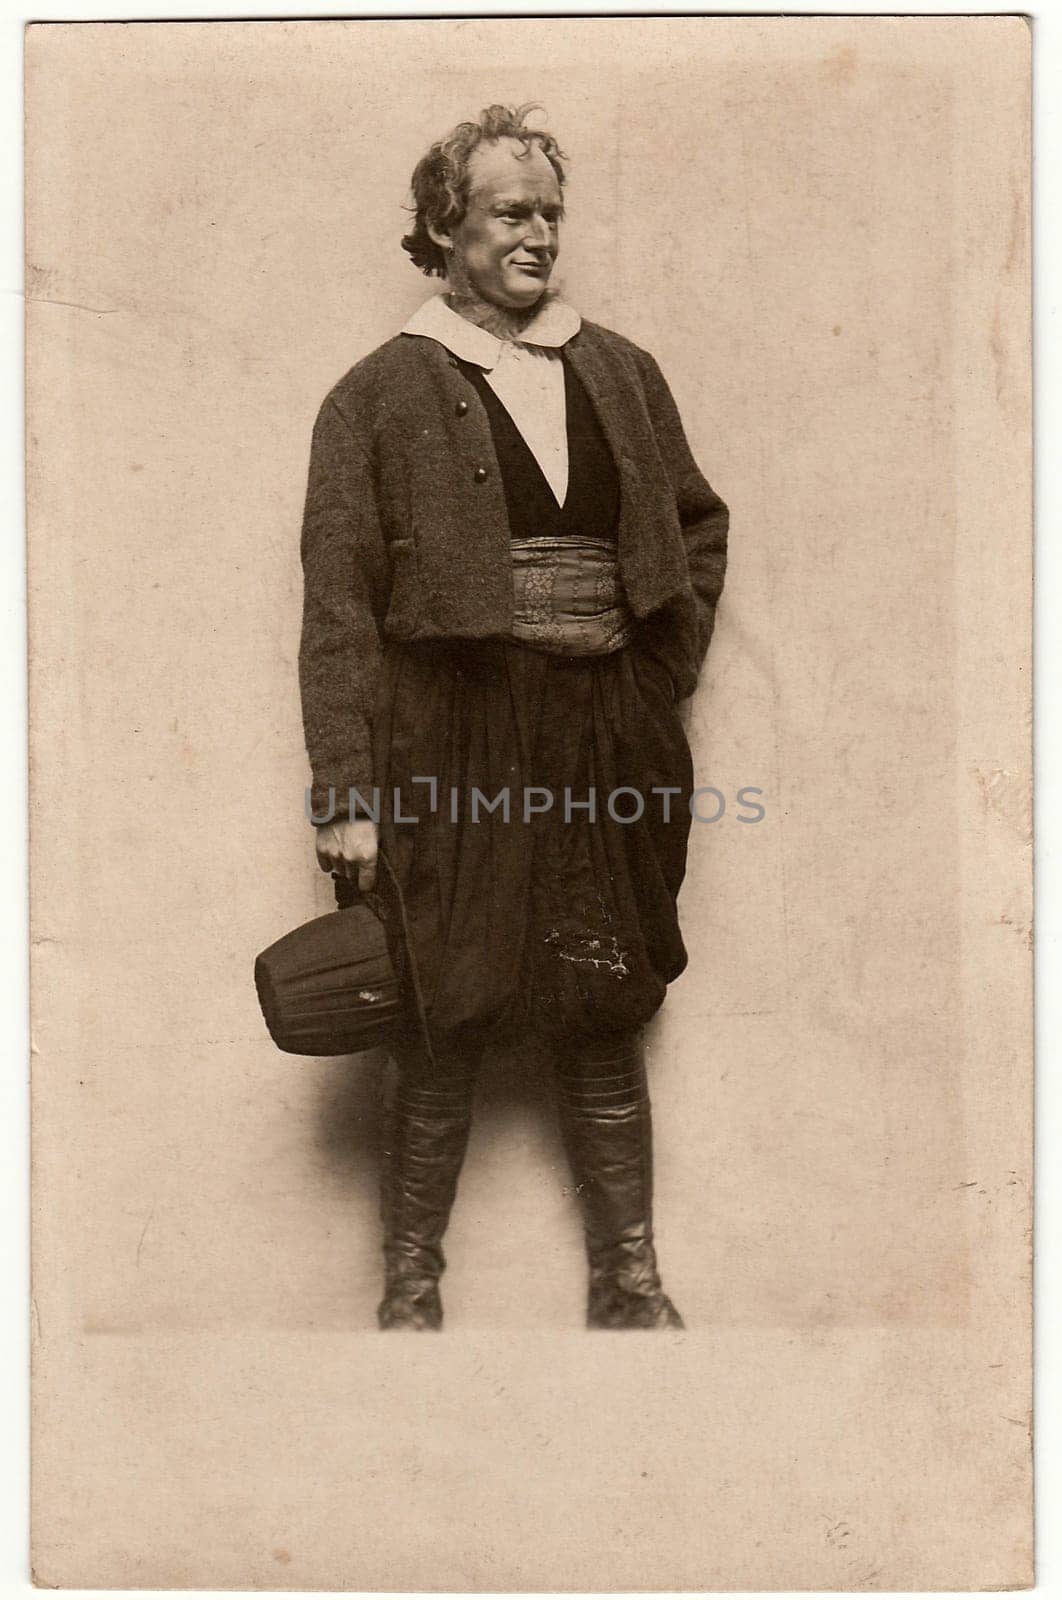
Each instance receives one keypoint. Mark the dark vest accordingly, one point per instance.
(591, 506)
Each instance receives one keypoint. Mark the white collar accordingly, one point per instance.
(553, 326)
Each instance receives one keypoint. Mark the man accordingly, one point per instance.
(512, 565)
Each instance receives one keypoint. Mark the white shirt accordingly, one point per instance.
(527, 377)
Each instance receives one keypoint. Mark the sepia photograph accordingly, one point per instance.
(512, 565)
(530, 538)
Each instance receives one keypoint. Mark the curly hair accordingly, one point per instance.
(440, 179)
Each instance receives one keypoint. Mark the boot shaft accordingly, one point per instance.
(431, 1118)
(606, 1123)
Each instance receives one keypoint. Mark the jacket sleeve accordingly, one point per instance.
(704, 517)
(345, 585)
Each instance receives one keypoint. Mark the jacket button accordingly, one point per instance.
(451, 361)
(461, 408)
(481, 475)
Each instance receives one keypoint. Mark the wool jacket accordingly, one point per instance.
(406, 535)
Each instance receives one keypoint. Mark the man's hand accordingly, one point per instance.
(349, 849)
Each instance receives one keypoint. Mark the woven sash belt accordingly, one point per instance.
(568, 597)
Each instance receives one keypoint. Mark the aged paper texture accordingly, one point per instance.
(819, 228)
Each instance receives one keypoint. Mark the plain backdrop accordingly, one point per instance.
(820, 230)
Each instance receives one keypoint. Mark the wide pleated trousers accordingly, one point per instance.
(535, 809)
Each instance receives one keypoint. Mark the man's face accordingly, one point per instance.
(505, 245)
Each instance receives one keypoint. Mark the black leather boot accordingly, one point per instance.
(607, 1126)
(430, 1128)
